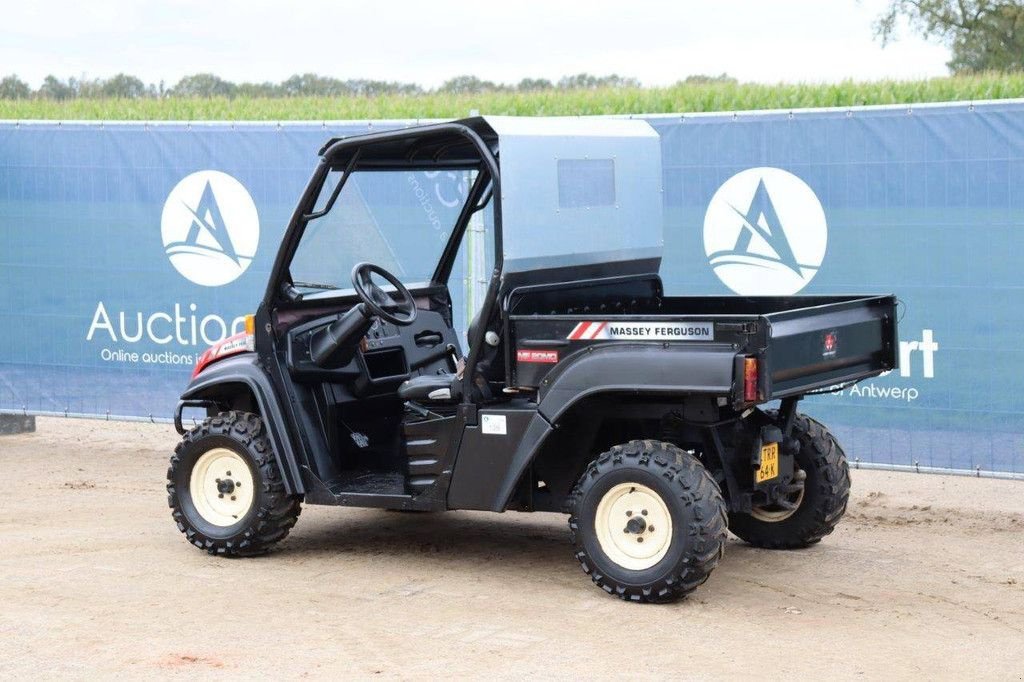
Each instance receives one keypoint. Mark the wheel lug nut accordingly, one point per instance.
(629, 513)
(643, 511)
(639, 539)
(220, 495)
(650, 528)
(228, 473)
(218, 480)
(232, 497)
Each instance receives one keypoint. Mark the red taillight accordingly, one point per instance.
(750, 380)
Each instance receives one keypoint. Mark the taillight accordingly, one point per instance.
(750, 380)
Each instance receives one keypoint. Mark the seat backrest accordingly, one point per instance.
(491, 362)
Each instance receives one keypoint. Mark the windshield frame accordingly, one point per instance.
(279, 286)
(333, 196)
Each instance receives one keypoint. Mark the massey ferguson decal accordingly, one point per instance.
(545, 356)
(661, 331)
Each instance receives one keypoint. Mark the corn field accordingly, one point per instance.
(681, 98)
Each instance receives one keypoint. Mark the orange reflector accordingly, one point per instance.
(750, 379)
(250, 332)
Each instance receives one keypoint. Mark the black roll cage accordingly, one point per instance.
(355, 153)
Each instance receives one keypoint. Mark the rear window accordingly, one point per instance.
(583, 183)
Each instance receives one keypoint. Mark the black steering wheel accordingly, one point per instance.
(401, 312)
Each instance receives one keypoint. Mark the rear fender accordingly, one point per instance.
(224, 379)
(673, 369)
(636, 369)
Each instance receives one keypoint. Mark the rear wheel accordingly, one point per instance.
(647, 522)
(225, 490)
(811, 512)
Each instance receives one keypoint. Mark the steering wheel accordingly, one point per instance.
(401, 312)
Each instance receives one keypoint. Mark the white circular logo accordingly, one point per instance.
(460, 182)
(210, 228)
(765, 233)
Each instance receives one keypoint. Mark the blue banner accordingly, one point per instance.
(108, 295)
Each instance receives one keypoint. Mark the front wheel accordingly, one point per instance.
(225, 490)
(647, 522)
(815, 509)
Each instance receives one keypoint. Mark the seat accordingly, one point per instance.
(431, 387)
(440, 387)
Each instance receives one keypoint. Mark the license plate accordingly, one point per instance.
(769, 463)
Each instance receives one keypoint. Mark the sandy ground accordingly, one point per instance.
(924, 578)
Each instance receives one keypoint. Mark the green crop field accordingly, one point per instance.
(682, 98)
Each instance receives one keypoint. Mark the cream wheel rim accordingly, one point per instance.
(222, 487)
(777, 513)
(633, 526)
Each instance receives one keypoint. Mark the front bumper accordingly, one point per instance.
(188, 403)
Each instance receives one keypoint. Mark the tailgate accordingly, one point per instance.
(820, 346)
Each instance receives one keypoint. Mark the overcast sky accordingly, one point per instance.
(429, 41)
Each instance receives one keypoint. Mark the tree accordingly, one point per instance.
(13, 87)
(265, 89)
(468, 85)
(54, 88)
(586, 81)
(370, 88)
(534, 84)
(981, 34)
(123, 86)
(703, 79)
(83, 87)
(312, 85)
(204, 85)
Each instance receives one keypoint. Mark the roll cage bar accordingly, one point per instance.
(441, 146)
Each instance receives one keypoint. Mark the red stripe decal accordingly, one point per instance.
(578, 331)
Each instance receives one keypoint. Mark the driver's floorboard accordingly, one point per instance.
(368, 481)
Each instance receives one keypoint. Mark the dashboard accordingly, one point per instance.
(388, 354)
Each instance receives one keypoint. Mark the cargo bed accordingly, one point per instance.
(799, 344)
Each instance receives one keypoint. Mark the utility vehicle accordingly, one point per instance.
(655, 422)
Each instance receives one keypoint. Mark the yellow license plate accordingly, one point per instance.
(769, 463)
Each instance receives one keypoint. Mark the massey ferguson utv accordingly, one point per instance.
(581, 387)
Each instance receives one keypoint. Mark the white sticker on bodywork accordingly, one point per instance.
(493, 424)
(659, 331)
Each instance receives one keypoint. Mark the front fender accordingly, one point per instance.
(222, 378)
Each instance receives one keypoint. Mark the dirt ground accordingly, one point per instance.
(924, 578)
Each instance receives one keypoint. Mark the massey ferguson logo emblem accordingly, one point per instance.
(765, 233)
(210, 228)
(829, 344)
(545, 356)
(662, 331)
